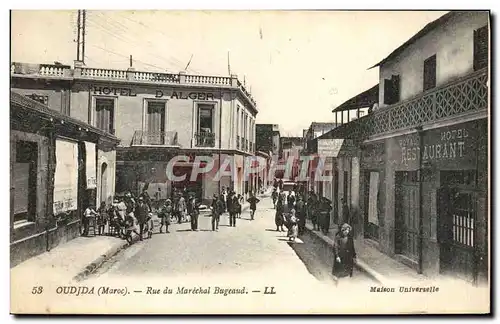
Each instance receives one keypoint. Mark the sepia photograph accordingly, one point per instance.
(239, 162)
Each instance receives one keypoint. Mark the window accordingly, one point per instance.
(430, 73)
(205, 128)
(391, 90)
(480, 48)
(25, 181)
(104, 114)
(40, 98)
(205, 118)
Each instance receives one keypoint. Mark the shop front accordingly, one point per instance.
(372, 190)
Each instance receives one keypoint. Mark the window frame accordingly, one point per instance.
(145, 112)
(431, 61)
(32, 201)
(93, 112)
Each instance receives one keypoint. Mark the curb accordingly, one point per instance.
(359, 264)
(93, 266)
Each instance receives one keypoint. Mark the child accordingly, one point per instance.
(149, 225)
(165, 213)
(293, 227)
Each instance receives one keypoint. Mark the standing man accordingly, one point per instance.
(181, 208)
(253, 205)
(193, 213)
(232, 205)
(326, 207)
(217, 211)
(141, 214)
(145, 196)
(301, 214)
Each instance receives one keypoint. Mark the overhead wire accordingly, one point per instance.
(120, 29)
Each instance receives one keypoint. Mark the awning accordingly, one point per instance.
(365, 99)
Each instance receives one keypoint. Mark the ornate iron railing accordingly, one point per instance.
(154, 138)
(464, 95)
(205, 139)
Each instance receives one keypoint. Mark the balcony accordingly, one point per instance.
(205, 139)
(465, 95)
(42, 70)
(146, 138)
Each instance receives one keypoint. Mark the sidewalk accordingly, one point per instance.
(379, 266)
(70, 261)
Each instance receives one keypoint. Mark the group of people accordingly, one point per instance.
(230, 202)
(291, 212)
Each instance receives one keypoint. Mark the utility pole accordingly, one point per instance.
(78, 26)
(83, 37)
(80, 37)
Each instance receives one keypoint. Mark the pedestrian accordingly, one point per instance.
(232, 202)
(253, 205)
(141, 214)
(217, 211)
(193, 213)
(158, 197)
(88, 214)
(278, 218)
(240, 204)
(181, 209)
(102, 218)
(324, 220)
(147, 199)
(301, 214)
(224, 196)
(291, 199)
(313, 210)
(293, 226)
(344, 252)
(274, 196)
(165, 214)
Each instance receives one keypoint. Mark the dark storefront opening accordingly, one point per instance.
(371, 200)
(194, 187)
(457, 223)
(407, 214)
(336, 197)
(25, 184)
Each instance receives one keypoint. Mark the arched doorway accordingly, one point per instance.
(104, 183)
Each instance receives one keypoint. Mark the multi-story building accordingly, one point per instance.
(416, 167)
(268, 139)
(317, 129)
(156, 116)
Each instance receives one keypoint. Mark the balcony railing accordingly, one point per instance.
(203, 79)
(205, 139)
(154, 138)
(465, 95)
(83, 72)
(104, 73)
(238, 142)
(460, 96)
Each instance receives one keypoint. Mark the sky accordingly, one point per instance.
(299, 65)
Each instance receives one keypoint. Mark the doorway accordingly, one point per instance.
(457, 216)
(407, 201)
(156, 123)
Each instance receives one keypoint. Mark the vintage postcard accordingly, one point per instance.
(250, 162)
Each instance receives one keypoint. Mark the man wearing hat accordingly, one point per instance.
(141, 213)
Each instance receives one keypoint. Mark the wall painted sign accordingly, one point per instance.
(129, 92)
(447, 146)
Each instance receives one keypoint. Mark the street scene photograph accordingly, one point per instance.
(250, 162)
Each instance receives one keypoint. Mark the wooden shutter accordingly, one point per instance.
(480, 48)
(430, 73)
